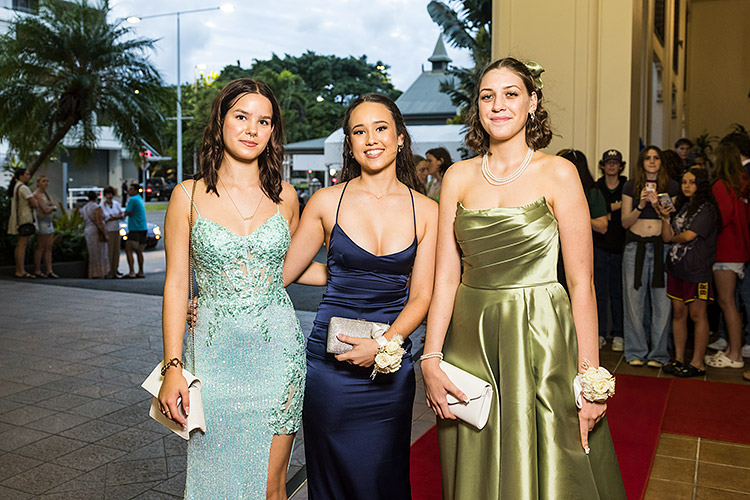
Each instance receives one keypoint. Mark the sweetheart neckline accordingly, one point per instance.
(243, 235)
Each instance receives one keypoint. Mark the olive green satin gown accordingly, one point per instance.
(513, 327)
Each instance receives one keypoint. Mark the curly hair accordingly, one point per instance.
(639, 177)
(702, 196)
(212, 148)
(538, 132)
(729, 170)
(406, 170)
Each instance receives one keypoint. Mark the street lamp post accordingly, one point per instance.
(226, 8)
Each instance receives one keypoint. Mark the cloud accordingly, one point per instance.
(398, 32)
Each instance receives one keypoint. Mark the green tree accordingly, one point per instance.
(68, 69)
(468, 25)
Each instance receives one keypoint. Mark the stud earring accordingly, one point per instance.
(400, 147)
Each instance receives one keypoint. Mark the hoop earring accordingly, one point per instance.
(351, 154)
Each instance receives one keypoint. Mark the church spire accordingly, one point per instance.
(439, 57)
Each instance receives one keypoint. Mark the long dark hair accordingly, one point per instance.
(441, 154)
(406, 170)
(17, 173)
(639, 182)
(212, 149)
(578, 159)
(538, 132)
(674, 165)
(728, 169)
(703, 195)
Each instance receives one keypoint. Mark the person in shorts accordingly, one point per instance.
(692, 232)
(135, 211)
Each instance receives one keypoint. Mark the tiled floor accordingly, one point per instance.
(74, 423)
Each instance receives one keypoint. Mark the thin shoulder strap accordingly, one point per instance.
(341, 198)
(191, 197)
(413, 212)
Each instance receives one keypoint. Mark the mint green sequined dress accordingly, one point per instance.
(249, 354)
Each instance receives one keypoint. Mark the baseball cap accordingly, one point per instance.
(611, 154)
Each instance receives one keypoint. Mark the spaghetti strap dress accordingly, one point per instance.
(513, 327)
(357, 430)
(249, 355)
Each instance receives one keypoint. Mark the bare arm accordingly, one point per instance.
(42, 205)
(630, 214)
(447, 279)
(174, 306)
(308, 238)
(316, 274)
(99, 220)
(600, 224)
(571, 210)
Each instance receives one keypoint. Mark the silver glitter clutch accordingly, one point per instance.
(354, 328)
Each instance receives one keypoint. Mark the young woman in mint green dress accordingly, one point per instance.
(504, 214)
(248, 347)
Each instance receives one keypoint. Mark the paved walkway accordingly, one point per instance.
(73, 419)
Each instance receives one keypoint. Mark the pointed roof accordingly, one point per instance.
(439, 54)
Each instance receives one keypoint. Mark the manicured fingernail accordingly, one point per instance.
(587, 450)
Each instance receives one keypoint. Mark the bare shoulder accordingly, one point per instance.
(424, 205)
(557, 169)
(463, 168)
(288, 193)
(180, 197)
(324, 197)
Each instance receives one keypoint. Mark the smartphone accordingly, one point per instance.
(665, 200)
(650, 186)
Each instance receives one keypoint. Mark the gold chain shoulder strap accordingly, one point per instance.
(190, 275)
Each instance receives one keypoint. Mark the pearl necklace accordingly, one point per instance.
(501, 181)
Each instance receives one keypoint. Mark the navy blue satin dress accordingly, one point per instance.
(357, 430)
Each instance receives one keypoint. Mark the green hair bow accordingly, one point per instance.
(536, 71)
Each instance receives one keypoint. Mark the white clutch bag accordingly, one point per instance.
(477, 410)
(195, 420)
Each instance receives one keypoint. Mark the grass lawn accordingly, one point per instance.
(153, 207)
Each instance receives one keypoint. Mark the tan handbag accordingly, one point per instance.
(477, 411)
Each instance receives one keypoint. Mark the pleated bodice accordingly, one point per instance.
(508, 247)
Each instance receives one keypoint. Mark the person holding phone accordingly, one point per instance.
(643, 262)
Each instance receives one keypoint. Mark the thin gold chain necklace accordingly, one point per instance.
(244, 218)
(501, 181)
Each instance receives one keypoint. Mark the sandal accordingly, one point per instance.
(39, 275)
(746, 376)
(24, 276)
(721, 360)
(688, 371)
(672, 367)
(51, 275)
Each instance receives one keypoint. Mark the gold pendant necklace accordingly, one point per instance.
(244, 218)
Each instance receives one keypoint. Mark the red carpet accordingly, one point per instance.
(710, 410)
(635, 420)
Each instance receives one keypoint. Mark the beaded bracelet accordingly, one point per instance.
(431, 355)
(169, 364)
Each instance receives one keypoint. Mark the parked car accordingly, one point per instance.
(153, 234)
(158, 188)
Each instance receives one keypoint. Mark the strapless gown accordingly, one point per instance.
(513, 327)
(357, 430)
(249, 354)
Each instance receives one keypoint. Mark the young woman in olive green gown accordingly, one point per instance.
(504, 214)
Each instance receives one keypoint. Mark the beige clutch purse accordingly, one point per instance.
(195, 420)
(477, 410)
(354, 328)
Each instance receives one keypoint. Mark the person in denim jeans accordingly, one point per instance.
(643, 277)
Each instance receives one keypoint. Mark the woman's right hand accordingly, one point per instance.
(437, 385)
(173, 388)
(192, 312)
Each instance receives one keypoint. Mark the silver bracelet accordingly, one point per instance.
(431, 355)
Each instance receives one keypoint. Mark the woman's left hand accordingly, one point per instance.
(588, 416)
(363, 353)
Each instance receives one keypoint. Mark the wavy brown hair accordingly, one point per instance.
(538, 132)
(639, 177)
(212, 149)
(406, 170)
(728, 169)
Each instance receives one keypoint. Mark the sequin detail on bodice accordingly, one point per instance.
(240, 274)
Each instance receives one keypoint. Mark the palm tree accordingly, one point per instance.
(67, 69)
(467, 26)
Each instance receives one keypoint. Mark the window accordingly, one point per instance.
(31, 6)
(659, 7)
(676, 44)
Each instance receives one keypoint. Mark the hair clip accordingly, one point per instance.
(536, 71)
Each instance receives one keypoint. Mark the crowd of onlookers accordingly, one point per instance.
(31, 214)
(672, 243)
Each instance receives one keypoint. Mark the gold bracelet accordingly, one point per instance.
(169, 364)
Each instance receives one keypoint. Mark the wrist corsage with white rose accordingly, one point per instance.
(596, 385)
(388, 356)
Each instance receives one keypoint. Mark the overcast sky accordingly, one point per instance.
(398, 32)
